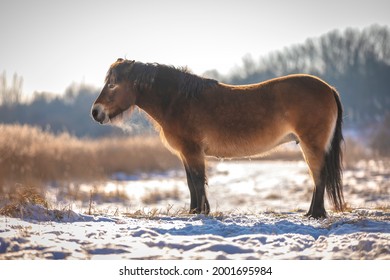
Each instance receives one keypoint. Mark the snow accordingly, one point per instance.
(258, 213)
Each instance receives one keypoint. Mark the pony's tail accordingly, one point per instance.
(332, 171)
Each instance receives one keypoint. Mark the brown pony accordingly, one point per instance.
(200, 117)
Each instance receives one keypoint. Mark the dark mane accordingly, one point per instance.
(190, 84)
(144, 76)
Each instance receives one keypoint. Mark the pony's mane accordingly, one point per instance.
(145, 75)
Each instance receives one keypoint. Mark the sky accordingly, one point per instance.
(53, 44)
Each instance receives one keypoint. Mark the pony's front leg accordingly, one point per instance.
(191, 187)
(196, 179)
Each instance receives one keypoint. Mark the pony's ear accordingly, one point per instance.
(119, 60)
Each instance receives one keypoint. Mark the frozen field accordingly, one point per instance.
(257, 213)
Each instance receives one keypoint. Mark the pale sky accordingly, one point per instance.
(55, 43)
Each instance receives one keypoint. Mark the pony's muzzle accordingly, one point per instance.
(98, 114)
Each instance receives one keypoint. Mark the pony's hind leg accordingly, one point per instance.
(315, 160)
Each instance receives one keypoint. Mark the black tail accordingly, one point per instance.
(332, 172)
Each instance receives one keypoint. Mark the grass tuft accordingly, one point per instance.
(23, 196)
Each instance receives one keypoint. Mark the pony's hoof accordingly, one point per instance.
(316, 215)
(193, 211)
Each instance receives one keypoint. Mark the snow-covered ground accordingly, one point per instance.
(257, 213)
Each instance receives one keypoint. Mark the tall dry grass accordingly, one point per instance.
(29, 157)
(29, 154)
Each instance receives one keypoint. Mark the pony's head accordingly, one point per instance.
(118, 94)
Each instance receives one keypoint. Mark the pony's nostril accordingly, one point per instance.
(98, 114)
(95, 113)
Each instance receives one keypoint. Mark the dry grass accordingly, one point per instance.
(28, 154)
(94, 192)
(29, 202)
(15, 202)
(31, 156)
(181, 212)
(155, 196)
(18, 204)
(354, 152)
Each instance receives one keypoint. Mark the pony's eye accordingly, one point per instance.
(111, 85)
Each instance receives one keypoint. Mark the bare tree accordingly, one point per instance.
(10, 95)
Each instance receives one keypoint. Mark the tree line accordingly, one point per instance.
(67, 113)
(356, 62)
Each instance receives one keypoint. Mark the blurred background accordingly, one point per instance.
(54, 56)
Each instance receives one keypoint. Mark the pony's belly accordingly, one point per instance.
(245, 147)
(237, 150)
